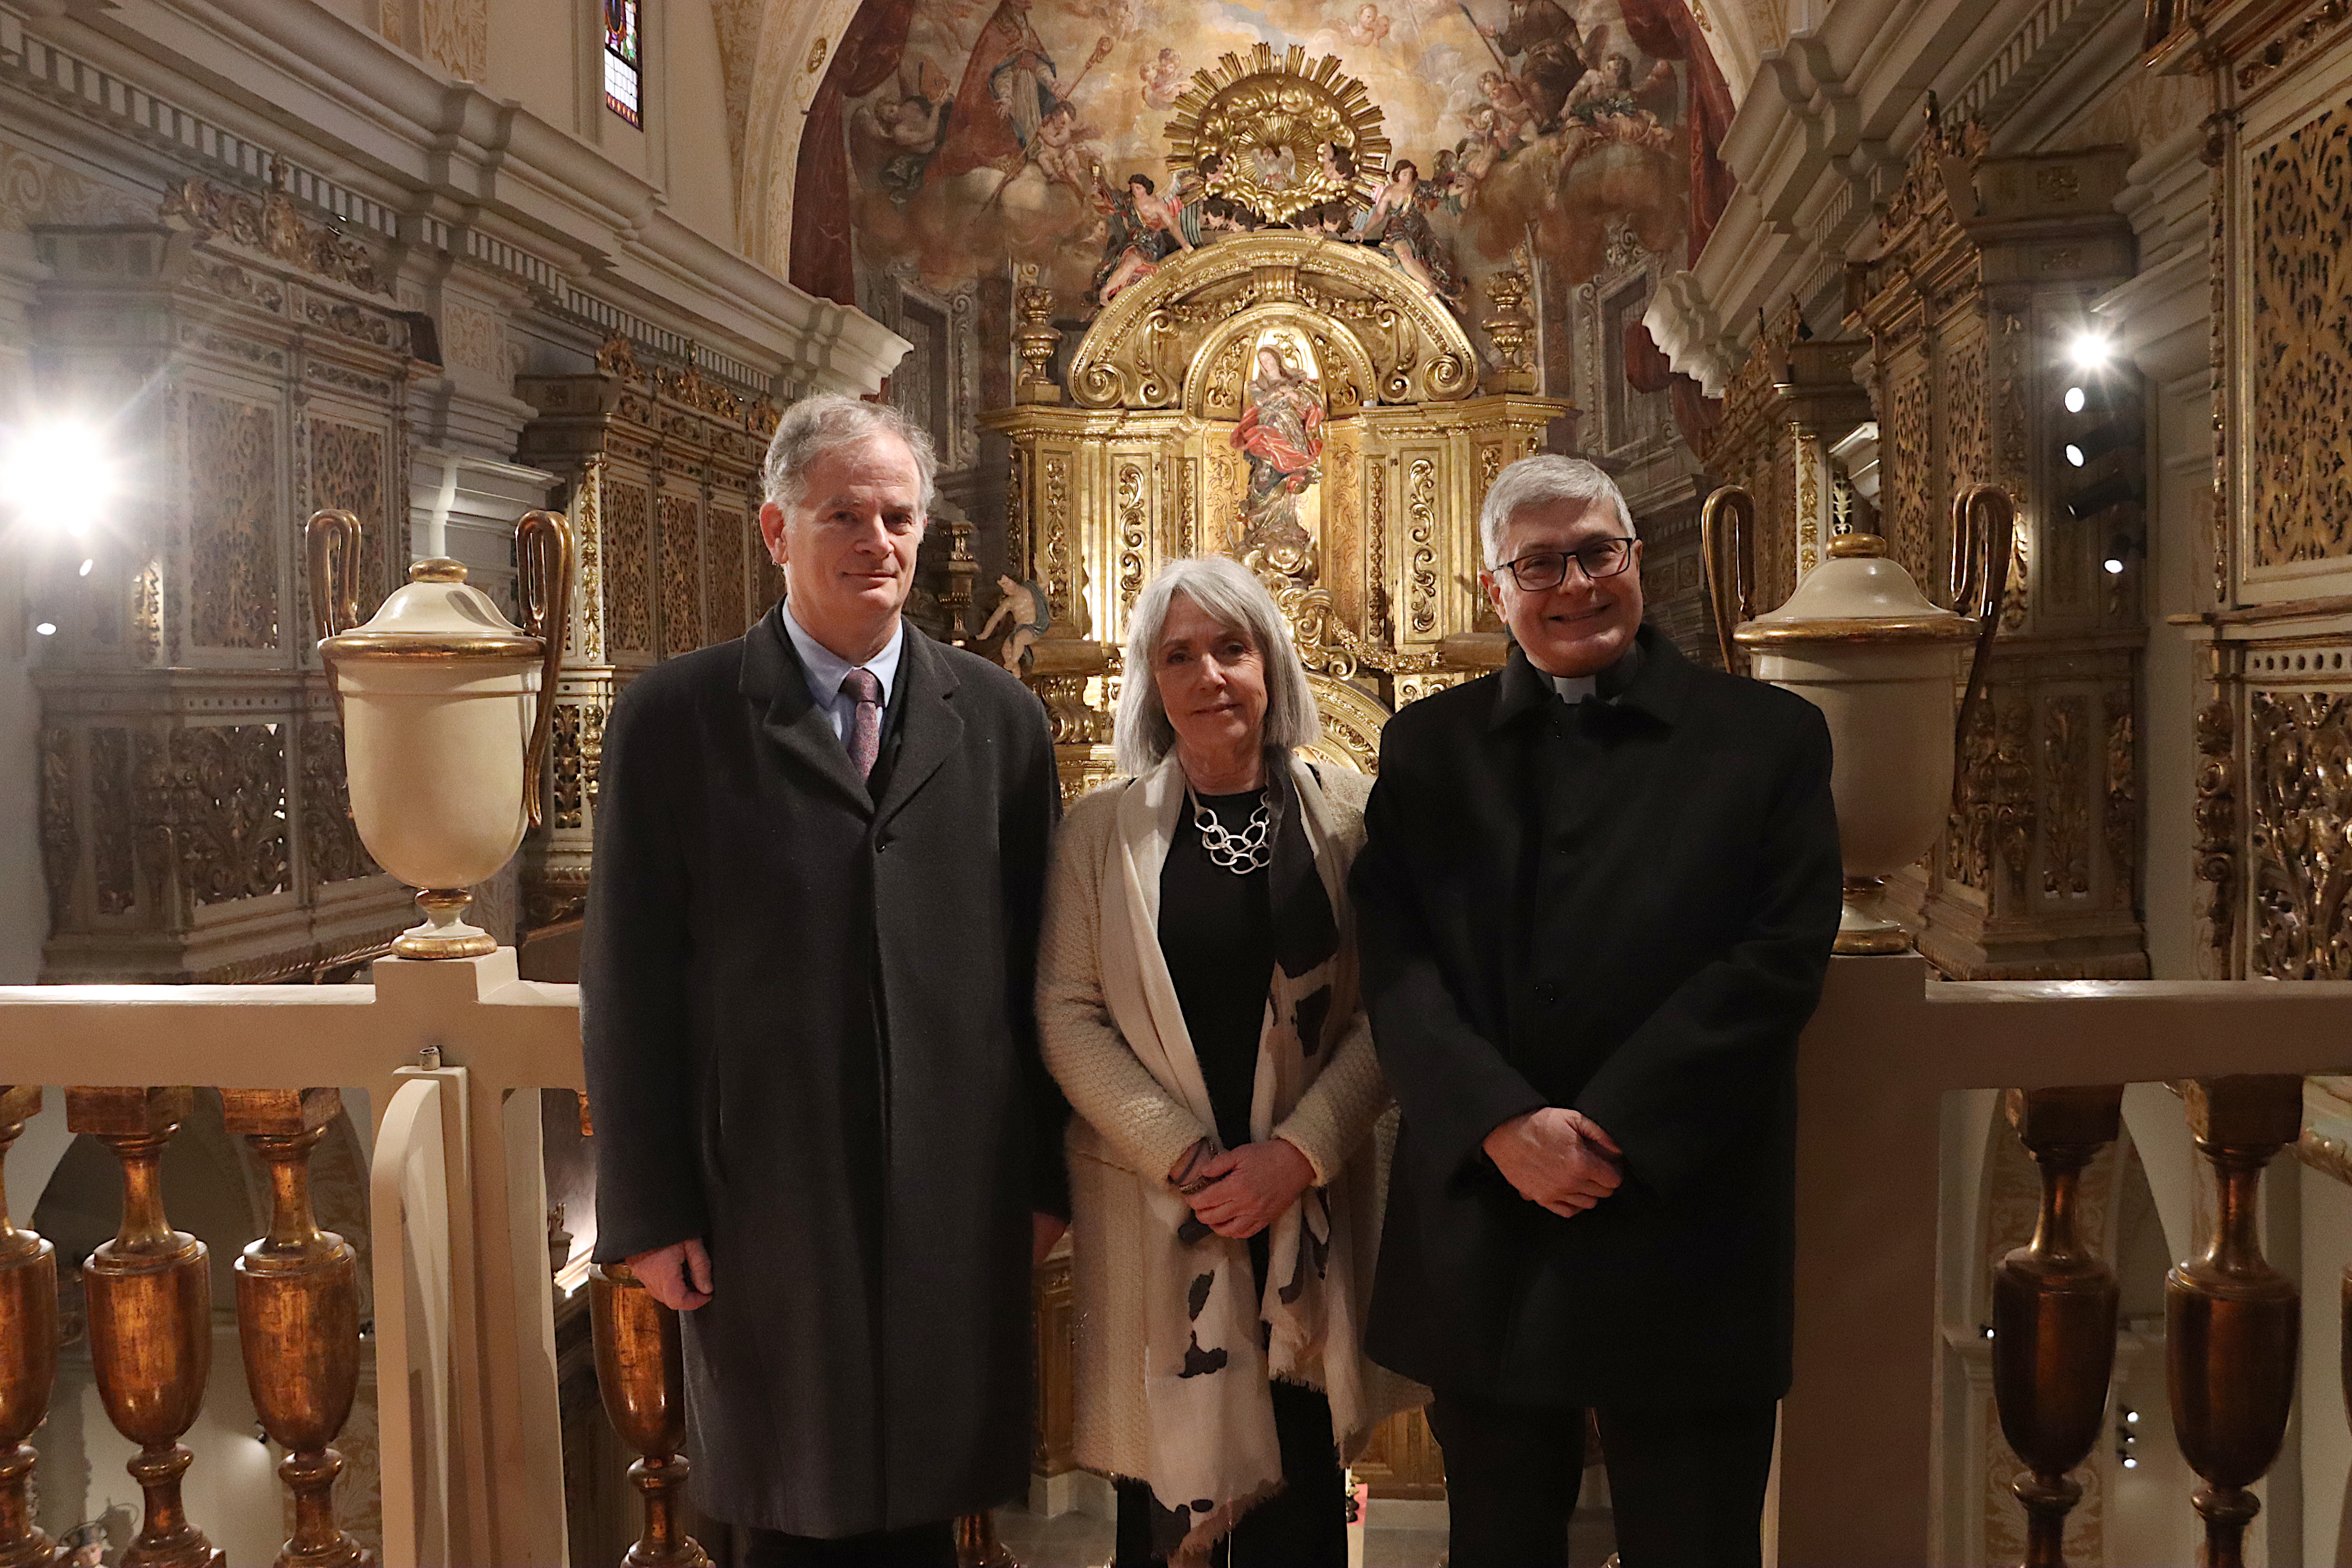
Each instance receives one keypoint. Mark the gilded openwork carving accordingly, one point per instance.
(1258, 126)
(2299, 784)
(2299, 359)
(219, 793)
(628, 584)
(2122, 812)
(114, 871)
(681, 590)
(576, 748)
(2065, 801)
(2217, 829)
(330, 840)
(270, 224)
(1910, 519)
(234, 518)
(347, 470)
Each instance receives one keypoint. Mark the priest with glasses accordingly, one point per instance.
(1595, 906)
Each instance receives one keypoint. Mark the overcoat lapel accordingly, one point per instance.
(930, 730)
(775, 683)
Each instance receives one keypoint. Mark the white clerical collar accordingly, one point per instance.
(1574, 688)
(827, 669)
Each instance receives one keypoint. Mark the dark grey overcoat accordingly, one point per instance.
(1626, 910)
(810, 1040)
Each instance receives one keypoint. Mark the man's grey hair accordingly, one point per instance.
(815, 426)
(1224, 588)
(1540, 480)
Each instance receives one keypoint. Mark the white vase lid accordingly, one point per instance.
(436, 613)
(1857, 596)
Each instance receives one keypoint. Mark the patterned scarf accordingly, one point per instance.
(1212, 1339)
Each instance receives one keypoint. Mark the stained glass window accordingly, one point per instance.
(624, 59)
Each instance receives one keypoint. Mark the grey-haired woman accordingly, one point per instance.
(1197, 1001)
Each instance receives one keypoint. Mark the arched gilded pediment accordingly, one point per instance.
(1145, 350)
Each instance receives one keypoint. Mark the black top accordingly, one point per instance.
(1216, 932)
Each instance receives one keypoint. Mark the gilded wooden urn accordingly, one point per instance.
(1862, 643)
(446, 707)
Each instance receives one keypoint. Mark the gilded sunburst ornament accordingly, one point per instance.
(1256, 131)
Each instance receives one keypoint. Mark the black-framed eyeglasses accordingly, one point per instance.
(1541, 569)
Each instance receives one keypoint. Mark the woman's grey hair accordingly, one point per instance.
(815, 426)
(1140, 733)
(1540, 480)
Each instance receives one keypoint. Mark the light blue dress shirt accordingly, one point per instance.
(826, 669)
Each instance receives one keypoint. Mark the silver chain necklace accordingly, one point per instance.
(1240, 853)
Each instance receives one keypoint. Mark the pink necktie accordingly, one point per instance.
(865, 736)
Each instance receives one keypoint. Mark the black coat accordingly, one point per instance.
(810, 1040)
(1626, 910)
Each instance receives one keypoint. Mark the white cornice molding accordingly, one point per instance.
(446, 161)
(2163, 315)
(1823, 138)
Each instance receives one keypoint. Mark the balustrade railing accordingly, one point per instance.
(450, 1054)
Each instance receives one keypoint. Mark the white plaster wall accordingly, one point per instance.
(24, 899)
(536, 57)
(697, 176)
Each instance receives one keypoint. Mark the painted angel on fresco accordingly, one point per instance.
(1065, 152)
(1368, 28)
(1281, 435)
(1163, 79)
(1145, 229)
(1397, 224)
(909, 130)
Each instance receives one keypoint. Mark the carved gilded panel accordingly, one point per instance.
(628, 580)
(2299, 355)
(1420, 534)
(2065, 798)
(113, 864)
(330, 840)
(2299, 789)
(220, 790)
(60, 841)
(722, 566)
(347, 470)
(681, 575)
(576, 747)
(1911, 519)
(234, 523)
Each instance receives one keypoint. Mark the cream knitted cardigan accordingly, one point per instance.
(1129, 1131)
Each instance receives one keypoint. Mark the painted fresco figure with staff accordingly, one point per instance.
(1549, 49)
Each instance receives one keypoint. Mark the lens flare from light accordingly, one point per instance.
(2091, 351)
(58, 474)
(2074, 454)
(2075, 400)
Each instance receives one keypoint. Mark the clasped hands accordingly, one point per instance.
(678, 1275)
(1240, 1191)
(1557, 1158)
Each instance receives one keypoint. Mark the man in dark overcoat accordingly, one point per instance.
(1595, 906)
(823, 1127)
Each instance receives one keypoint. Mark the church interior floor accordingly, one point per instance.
(1414, 1539)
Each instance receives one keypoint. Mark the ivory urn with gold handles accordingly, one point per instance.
(1862, 643)
(446, 707)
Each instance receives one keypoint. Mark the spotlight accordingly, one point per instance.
(58, 474)
(2090, 350)
(2131, 1463)
(86, 565)
(2114, 567)
(2074, 455)
(2075, 400)
(46, 628)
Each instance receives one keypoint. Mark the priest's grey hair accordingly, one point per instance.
(1141, 733)
(815, 426)
(1540, 480)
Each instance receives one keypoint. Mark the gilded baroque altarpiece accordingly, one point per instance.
(193, 821)
(1182, 431)
(2273, 738)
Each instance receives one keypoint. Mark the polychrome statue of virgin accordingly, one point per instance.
(1281, 435)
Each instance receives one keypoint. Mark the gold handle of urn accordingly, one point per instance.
(543, 560)
(1730, 584)
(334, 537)
(1984, 532)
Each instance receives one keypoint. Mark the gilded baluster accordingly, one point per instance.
(642, 1371)
(151, 1316)
(28, 1349)
(2232, 1321)
(977, 1545)
(298, 1317)
(2054, 1313)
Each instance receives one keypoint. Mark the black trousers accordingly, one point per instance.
(1686, 1487)
(1304, 1525)
(916, 1546)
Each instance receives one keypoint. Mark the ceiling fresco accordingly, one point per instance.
(954, 139)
